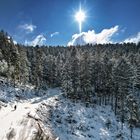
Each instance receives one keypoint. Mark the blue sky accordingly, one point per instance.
(51, 22)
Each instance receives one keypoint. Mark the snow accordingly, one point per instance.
(10, 118)
(20, 123)
(12, 121)
(75, 121)
(58, 117)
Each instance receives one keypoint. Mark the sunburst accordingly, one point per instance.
(80, 17)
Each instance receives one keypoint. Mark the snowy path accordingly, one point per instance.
(16, 123)
(10, 118)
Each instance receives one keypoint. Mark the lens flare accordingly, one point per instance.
(80, 17)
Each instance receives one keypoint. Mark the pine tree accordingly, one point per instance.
(107, 82)
(137, 74)
(132, 109)
(50, 70)
(122, 76)
(73, 60)
(66, 84)
(85, 78)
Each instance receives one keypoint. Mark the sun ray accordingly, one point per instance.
(80, 17)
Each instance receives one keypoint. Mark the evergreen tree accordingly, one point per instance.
(73, 60)
(122, 75)
(132, 108)
(85, 77)
(67, 81)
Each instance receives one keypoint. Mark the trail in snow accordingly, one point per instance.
(16, 123)
(10, 118)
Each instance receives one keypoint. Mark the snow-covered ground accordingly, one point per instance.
(49, 114)
(14, 122)
(74, 121)
(22, 122)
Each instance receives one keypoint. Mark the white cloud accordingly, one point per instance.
(55, 33)
(134, 39)
(93, 38)
(39, 40)
(29, 28)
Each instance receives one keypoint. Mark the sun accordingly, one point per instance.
(80, 17)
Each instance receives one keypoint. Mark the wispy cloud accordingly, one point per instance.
(133, 39)
(29, 28)
(94, 38)
(123, 30)
(38, 40)
(54, 34)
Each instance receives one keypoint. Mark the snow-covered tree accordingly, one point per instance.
(122, 75)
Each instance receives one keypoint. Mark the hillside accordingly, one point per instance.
(57, 116)
(78, 92)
